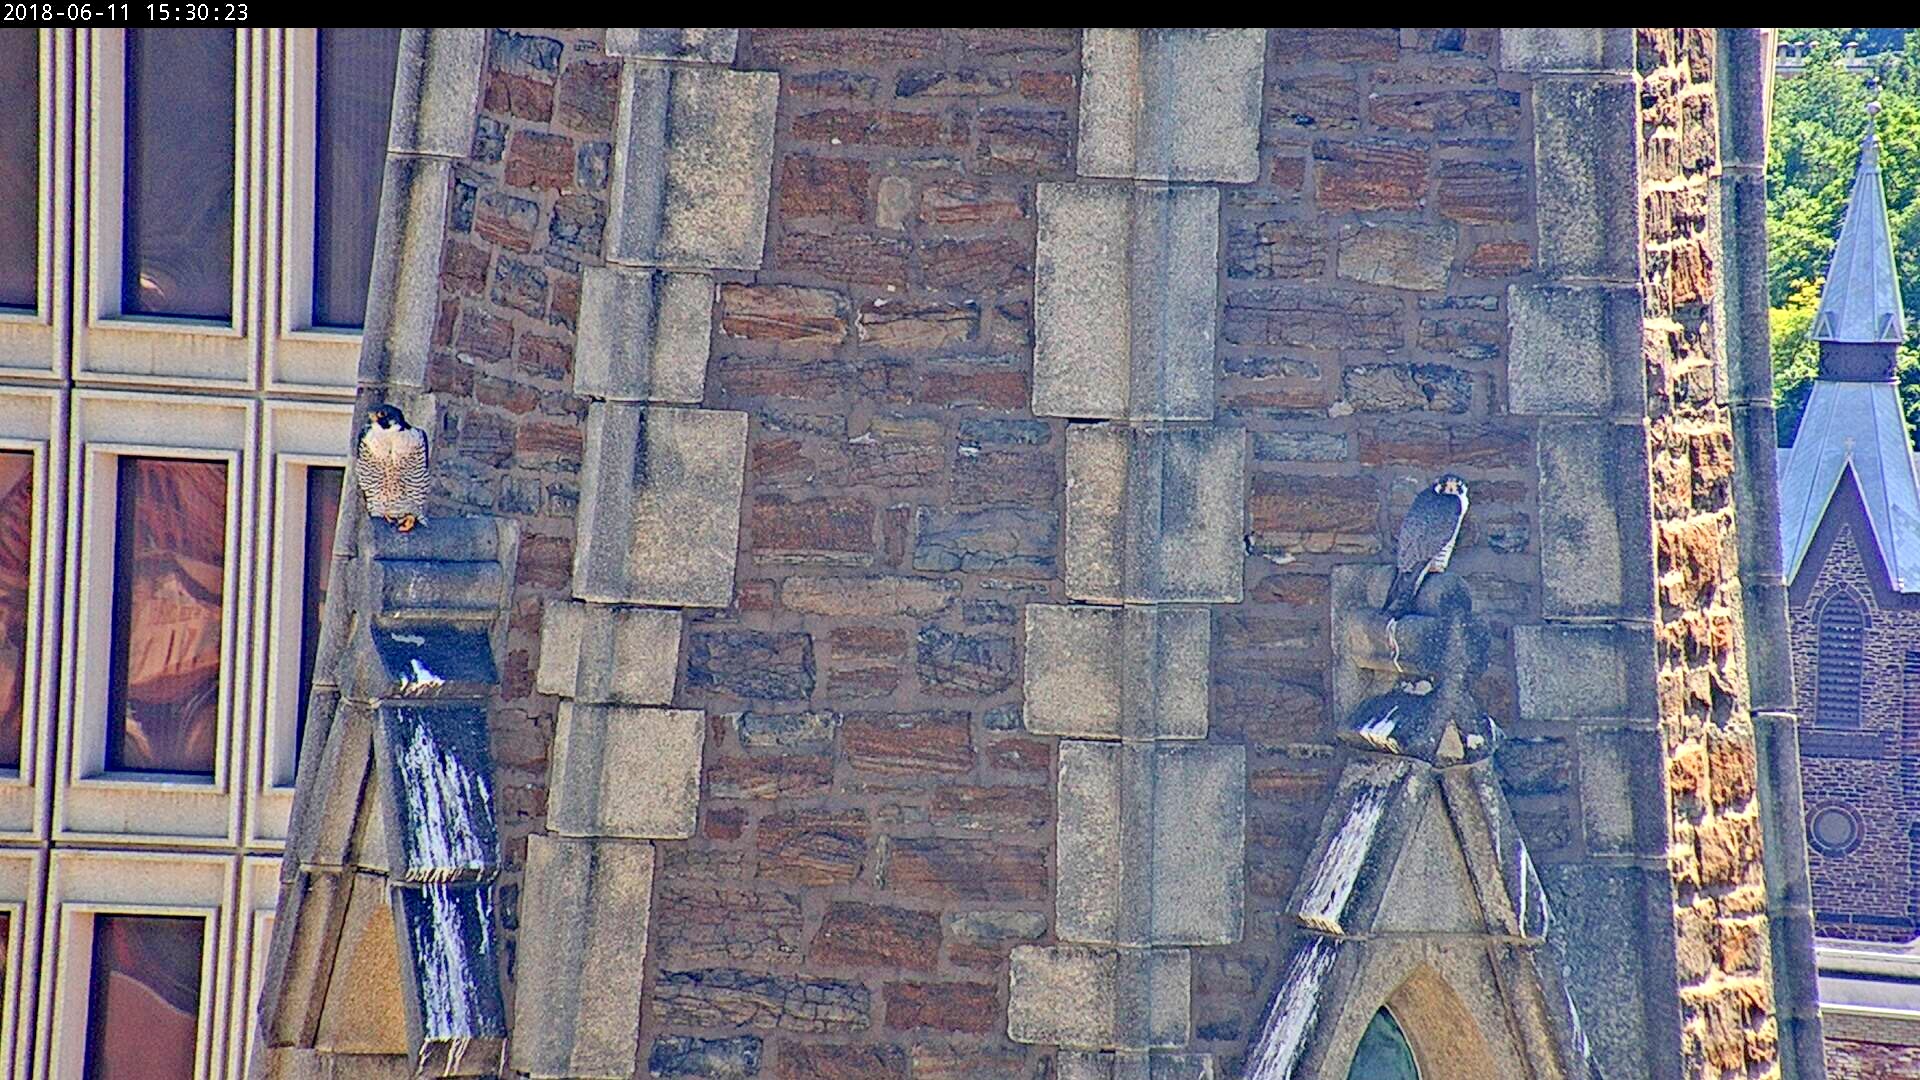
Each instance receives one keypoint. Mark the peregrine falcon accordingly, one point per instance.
(391, 463)
(1427, 536)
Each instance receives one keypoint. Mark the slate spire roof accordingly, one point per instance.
(1861, 302)
(1857, 425)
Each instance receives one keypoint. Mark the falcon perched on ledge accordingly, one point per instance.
(391, 463)
(1427, 536)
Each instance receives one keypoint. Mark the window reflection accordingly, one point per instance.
(1383, 1053)
(323, 510)
(20, 168)
(355, 92)
(144, 1001)
(16, 568)
(178, 214)
(168, 585)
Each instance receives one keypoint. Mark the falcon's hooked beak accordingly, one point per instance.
(1451, 485)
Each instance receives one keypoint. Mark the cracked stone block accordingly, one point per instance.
(659, 515)
(608, 654)
(706, 44)
(1172, 103)
(1152, 843)
(1126, 295)
(693, 158)
(625, 771)
(1102, 672)
(581, 970)
(643, 335)
(436, 92)
(1100, 999)
(1596, 521)
(1586, 142)
(1575, 351)
(1155, 515)
(1545, 49)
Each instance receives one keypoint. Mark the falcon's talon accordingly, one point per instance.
(406, 523)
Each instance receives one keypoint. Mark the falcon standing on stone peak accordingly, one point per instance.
(1427, 536)
(391, 462)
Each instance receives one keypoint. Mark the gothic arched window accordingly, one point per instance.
(1384, 1053)
(1841, 639)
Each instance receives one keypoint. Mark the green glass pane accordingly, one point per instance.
(1384, 1053)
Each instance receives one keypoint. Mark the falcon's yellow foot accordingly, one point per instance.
(407, 522)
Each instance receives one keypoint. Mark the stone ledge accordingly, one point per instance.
(1172, 104)
(1100, 999)
(1151, 844)
(621, 771)
(705, 44)
(1132, 1065)
(1155, 515)
(643, 335)
(608, 654)
(1575, 351)
(693, 158)
(583, 965)
(1126, 297)
(659, 519)
(1117, 673)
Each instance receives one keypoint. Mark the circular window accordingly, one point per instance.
(1834, 830)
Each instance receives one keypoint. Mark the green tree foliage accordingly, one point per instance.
(1818, 119)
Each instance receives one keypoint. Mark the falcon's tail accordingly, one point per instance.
(1406, 586)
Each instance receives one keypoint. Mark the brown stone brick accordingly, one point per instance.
(723, 823)
(908, 743)
(545, 357)
(1301, 106)
(876, 935)
(916, 325)
(702, 925)
(485, 335)
(958, 664)
(993, 475)
(979, 264)
(847, 47)
(1477, 193)
(973, 1008)
(880, 127)
(969, 205)
(817, 1061)
(813, 186)
(812, 847)
(1499, 258)
(565, 441)
(589, 95)
(977, 870)
(768, 777)
(731, 998)
(1332, 44)
(1050, 87)
(537, 160)
(518, 96)
(1315, 513)
(898, 452)
(1314, 318)
(1288, 175)
(968, 1062)
(544, 561)
(866, 661)
(463, 266)
(1024, 140)
(1034, 756)
(1375, 175)
(1447, 112)
(751, 664)
(836, 530)
(1005, 811)
(788, 314)
(1399, 388)
(856, 258)
(974, 383)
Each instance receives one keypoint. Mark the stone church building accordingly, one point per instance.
(1850, 538)
(911, 510)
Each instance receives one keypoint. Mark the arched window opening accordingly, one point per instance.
(1842, 636)
(1384, 1053)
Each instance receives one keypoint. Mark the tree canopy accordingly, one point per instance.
(1819, 117)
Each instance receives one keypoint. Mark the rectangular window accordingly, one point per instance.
(16, 570)
(169, 583)
(323, 510)
(178, 214)
(20, 168)
(355, 96)
(143, 1006)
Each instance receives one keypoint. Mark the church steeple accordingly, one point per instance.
(1860, 322)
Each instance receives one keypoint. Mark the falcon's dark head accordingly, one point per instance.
(386, 416)
(1450, 485)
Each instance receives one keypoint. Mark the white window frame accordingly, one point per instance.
(252, 938)
(20, 875)
(33, 421)
(301, 357)
(32, 343)
(90, 803)
(85, 884)
(296, 437)
(107, 345)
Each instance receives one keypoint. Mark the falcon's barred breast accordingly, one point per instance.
(392, 466)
